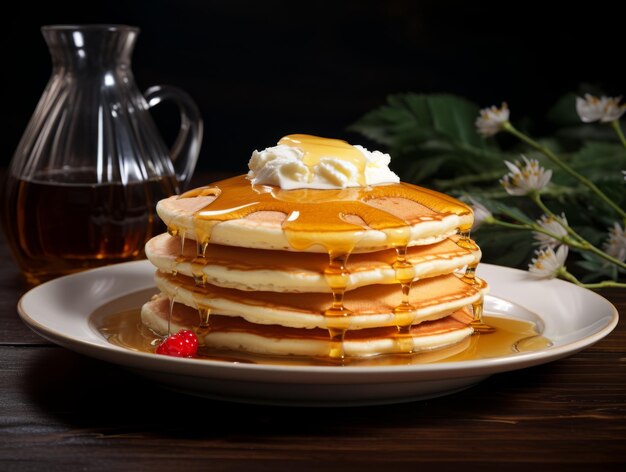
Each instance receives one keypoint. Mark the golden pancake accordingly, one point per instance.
(371, 306)
(283, 271)
(232, 212)
(234, 333)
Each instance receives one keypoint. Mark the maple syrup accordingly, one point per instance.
(334, 219)
(59, 228)
(120, 323)
(316, 148)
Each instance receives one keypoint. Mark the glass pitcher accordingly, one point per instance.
(83, 183)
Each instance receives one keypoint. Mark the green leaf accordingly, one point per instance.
(563, 112)
(600, 160)
(597, 271)
(419, 117)
(454, 117)
(511, 212)
(424, 168)
(433, 141)
(509, 248)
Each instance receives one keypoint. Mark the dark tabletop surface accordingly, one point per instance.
(63, 411)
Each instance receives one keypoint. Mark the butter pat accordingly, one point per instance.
(304, 161)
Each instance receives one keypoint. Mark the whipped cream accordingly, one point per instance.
(317, 163)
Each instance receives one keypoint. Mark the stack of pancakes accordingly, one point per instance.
(343, 273)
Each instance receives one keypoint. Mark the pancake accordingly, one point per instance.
(236, 334)
(234, 213)
(371, 306)
(319, 251)
(283, 271)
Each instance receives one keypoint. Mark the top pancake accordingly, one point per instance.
(232, 212)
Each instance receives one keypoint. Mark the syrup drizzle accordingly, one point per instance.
(336, 220)
(337, 277)
(316, 148)
(169, 318)
(197, 271)
(470, 277)
(204, 327)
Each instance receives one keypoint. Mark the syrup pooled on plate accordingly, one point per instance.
(122, 326)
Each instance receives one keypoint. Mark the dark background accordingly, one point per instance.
(262, 69)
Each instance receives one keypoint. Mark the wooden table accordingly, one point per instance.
(62, 411)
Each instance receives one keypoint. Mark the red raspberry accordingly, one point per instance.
(182, 344)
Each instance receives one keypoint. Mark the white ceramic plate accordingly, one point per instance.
(572, 318)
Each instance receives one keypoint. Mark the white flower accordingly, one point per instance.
(524, 178)
(547, 264)
(481, 213)
(615, 244)
(552, 225)
(491, 120)
(602, 109)
(624, 172)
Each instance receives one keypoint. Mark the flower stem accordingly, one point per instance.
(618, 130)
(578, 241)
(507, 126)
(523, 226)
(564, 274)
(504, 224)
(539, 229)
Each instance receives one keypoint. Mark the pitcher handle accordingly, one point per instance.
(184, 153)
